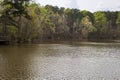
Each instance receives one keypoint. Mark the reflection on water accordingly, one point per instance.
(73, 61)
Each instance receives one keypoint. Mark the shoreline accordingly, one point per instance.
(67, 41)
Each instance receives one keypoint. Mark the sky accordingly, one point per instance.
(90, 5)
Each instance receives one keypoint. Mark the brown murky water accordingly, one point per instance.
(91, 61)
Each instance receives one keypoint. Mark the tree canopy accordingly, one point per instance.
(28, 22)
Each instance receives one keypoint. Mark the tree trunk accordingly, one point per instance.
(19, 29)
(5, 25)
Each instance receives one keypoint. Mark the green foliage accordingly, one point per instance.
(100, 18)
(85, 13)
(48, 27)
(12, 30)
(118, 19)
(101, 24)
(26, 22)
(87, 26)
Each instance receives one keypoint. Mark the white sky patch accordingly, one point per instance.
(107, 6)
(116, 8)
(99, 6)
(90, 5)
(73, 4)
(59, 3)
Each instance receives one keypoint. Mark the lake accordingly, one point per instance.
(60, 61)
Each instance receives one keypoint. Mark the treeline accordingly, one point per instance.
(30, 22)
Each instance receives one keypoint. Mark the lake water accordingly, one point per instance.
(63, 61)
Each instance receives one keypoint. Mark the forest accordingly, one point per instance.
(23, 21)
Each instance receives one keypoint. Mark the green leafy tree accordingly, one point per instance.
(12, 9)
(100, 24)
(87, 27)
(118, 21)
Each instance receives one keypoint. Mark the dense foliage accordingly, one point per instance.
(26, 22)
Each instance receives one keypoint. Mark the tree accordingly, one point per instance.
(5, 17)
(20, 11)
(87, 27)
(100, 24)
(26, 22)
(118, 23)
(14, 9)
(85, 13)
(72, 16)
